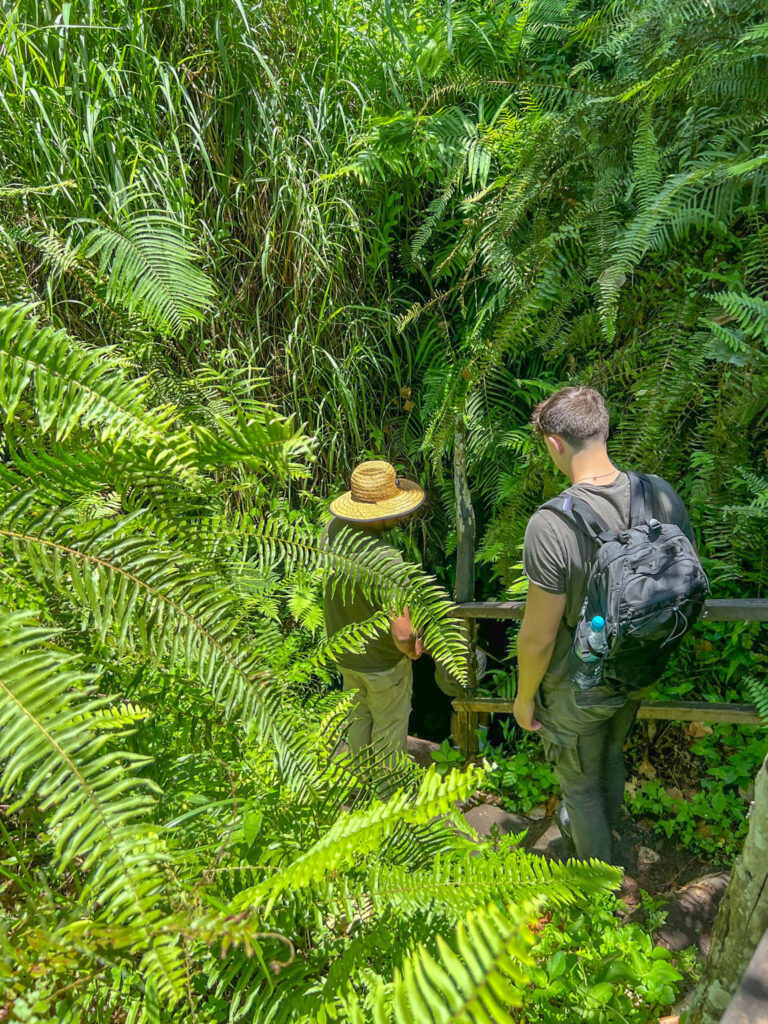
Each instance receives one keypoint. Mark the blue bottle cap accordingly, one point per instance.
(598, 623)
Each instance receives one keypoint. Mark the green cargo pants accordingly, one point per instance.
(586, 748)
(379, 717)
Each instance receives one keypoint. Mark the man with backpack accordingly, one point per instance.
(614, 583)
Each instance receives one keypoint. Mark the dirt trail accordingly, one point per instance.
(691, 887)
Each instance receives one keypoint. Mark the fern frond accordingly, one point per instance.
(133, 591)
(481, 975)
(647, 173)
(149, 268)
(464, 882)
(115, 718)
(259, 440)
(750, 311)
(351, 639)
(81, 484)
(671, 213)
(353, 835)
(757, 692)
(354, 560)
(97, 805)
(71, 386)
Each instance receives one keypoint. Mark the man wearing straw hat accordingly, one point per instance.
(382, 675)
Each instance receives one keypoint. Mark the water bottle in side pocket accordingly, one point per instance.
(589, 670)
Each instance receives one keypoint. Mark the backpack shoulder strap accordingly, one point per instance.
(640, 499)
(582, 515)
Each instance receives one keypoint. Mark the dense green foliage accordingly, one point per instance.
(241, 246)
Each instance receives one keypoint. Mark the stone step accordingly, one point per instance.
(486, 817)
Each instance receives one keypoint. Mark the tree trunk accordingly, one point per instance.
(464, 589)
(742, 919)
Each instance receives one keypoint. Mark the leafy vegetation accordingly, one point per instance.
(523, 776)
(621, 965)
(241, 247)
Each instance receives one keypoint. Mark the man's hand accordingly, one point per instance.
(404, 638)
(412, 648)
(525, 712)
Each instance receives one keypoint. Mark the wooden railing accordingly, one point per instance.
(468, 708)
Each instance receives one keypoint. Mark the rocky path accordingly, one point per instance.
(690, 888)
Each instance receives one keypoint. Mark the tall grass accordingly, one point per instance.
(234, 118)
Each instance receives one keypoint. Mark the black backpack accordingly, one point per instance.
(646, 582)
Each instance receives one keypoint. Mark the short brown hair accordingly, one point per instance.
(578, 415)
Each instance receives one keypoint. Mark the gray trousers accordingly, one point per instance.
(592, 776)
(585, 747)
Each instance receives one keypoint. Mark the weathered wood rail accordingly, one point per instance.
(728, 610)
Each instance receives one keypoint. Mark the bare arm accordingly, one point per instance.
(535, 644)
(404, 637)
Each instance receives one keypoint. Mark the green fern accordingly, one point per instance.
(363, 831)
(148, 264)
(70, 386)
(480, 976)
(135, 591)
(460, 883)
(98, 805)
(750, 311)
(354, 560)
(758, 693)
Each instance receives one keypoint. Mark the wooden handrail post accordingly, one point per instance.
(464, 589)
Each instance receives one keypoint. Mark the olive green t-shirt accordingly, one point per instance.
(345, 604)
(557, 554)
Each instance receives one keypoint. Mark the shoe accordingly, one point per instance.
(562, 821)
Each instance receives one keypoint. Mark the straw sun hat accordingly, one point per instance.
(377, 493)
